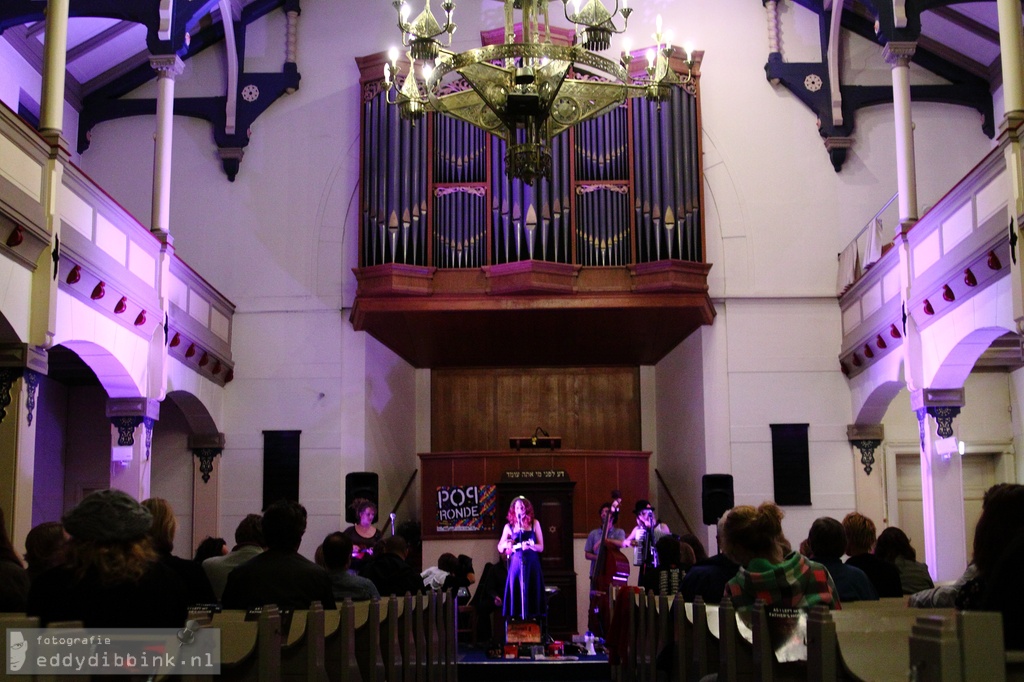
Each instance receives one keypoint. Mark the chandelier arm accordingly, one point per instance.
(491, 53)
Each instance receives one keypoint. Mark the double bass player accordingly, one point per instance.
(608, 564)
(597, 536)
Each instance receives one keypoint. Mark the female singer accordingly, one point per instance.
(522, 541)
(363, 534)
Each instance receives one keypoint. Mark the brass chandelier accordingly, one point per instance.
(526, 90)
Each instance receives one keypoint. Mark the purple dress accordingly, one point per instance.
(524, 566)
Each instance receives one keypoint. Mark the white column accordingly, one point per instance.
(942, 497)
(51, 119)
(1011, 54)
(898, 55)
(166, 67)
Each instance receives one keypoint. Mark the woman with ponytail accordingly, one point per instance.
(769, 569)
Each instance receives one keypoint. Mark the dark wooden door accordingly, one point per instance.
(552, 505)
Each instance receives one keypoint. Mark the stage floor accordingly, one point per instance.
(475, 666)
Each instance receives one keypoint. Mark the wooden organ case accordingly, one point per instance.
(625, 187)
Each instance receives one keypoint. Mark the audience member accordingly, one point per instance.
(768, 571)
(699, 553)
(451, 573)
(389, 570)
(280, 575)
(894, 546)
(827, 541)
(208, 548)
(44, 547)
(1004, 594)
(112, 576)
(666, 578)
(337, 555)
(410, 531)
(363, 534)
(435, 576)
(248, 543)
(707, 578)
(1001, 522)
(949, 595)
(161, 534)
(14, 580)
(860, 541)
(487, 599)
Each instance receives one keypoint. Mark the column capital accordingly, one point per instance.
(133, 407)
(941, 404)
(898, 53)
(937, 397)
(166, 64)
(206, 446)
(866, 438)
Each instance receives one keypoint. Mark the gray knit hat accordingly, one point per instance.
(108, 516)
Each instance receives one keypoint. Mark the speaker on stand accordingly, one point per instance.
(716, 497)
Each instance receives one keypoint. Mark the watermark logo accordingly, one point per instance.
(18, 647)
(192, 650)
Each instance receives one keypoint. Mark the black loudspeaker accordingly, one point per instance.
(360, 484)
(716, 496)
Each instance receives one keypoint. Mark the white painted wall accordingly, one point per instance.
(281, 241)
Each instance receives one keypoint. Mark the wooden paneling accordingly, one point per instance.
(589, 408)
(595, 473)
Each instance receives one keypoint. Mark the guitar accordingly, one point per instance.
(364, 552)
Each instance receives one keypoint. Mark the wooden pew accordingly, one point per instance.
(963, 647)
(767, 667)
(735, 657)
(705, 655)
(250, 650)
(302, 652)
(869, 642)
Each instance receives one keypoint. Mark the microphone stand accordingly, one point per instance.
(522, 571)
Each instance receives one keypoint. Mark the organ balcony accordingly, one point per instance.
(602, 263)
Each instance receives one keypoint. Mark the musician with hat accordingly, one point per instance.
(645, 536)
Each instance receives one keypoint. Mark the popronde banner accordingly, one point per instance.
(466, 508)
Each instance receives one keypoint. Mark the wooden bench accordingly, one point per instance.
(962, 647)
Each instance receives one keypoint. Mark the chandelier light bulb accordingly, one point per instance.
(393, 54)
(576, 7)
(428, 71)
(404, 12)
(650, 57)
(688, 49)
(657, 28)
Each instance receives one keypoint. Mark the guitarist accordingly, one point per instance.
(605, 532)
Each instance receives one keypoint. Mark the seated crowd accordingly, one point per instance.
(111, 555)
(109, 563)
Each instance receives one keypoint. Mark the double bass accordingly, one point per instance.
(610, 568)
